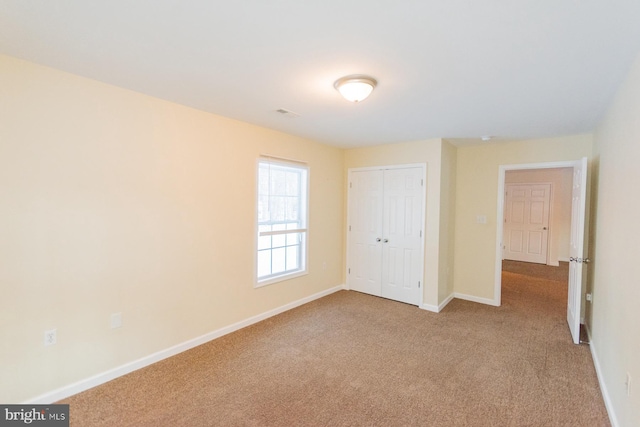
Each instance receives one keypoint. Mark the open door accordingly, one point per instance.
(577, 256)
(577, 260)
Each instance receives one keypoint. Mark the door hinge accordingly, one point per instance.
(418, 283)
(351, 185)
(349, 270)
(349, 228)
(420, 233)
(422, 183)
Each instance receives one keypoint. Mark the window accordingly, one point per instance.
(282, 220)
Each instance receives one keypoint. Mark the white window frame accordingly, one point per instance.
(302, 229)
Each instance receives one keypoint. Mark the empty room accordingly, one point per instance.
(319, 213)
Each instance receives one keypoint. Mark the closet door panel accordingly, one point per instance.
(365, 206)
(402, 240)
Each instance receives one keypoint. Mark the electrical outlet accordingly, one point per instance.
(50, 337)
(628, 384)
(116, 320)
(589, 297)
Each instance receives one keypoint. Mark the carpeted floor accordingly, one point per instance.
(541, 271)
(351, 359)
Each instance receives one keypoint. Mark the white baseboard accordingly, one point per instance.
(87, 383)
(473, 298)
(430, 307)
(437, 308)
(444, 303)
(603, 387)
(563, 259)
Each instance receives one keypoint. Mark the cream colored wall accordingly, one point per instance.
(405, 153)
(113, 201)
(560, 215)
(615, 316)
(477, 192)
(447, 220)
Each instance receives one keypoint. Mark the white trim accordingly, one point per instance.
(563, 259)
(283, 160)
(385, 167)
(603, 386)
(440, 307)
(280, 278)
(96, 380)
(502, 169)
(430, 307)
(280, 232)
(474, 298)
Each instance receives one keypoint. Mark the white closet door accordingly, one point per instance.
(385, 240)
(401, 234)
(365, 211)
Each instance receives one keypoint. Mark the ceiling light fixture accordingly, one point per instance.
(355, 88)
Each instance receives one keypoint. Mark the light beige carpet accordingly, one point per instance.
(351, 359)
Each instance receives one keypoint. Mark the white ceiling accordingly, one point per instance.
(446, 68)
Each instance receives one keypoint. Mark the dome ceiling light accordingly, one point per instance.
(355, 88)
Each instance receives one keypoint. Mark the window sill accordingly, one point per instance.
(281, 278)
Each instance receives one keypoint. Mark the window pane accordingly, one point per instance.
(264, 242)
(277, 208)
(292, 208)
(293, 184)
(293, 257)
(293, 239)
(263, 180)
(279, 240)
(278, 260)
(264, 263)
(263, 208)
(278, 182)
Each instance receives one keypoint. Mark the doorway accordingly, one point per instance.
(577, 259)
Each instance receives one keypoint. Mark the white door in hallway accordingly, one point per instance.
(385, 243)
(526, 222)
(577, 257)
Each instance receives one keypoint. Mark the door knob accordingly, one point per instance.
(386, 240)
(581, 260)
(544, 228)
(378, 239)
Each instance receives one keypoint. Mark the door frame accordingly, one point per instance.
(502, 169)
(423, 166)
